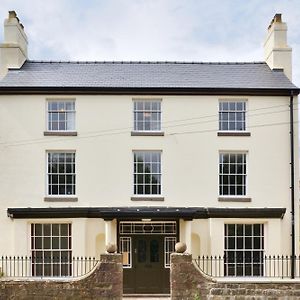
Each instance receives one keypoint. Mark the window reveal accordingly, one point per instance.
(232, 115)
(147, 115)
(61, 173)
(61, 115)
(244, 249)
(232, 174)
(147, 172)
(51, 249)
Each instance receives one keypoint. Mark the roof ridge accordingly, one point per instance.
(141, 62)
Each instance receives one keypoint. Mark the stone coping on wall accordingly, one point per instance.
(47, 279)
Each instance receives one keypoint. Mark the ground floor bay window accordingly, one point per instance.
(244, 250)
(51, 250)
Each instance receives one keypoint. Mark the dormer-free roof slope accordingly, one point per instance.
(145, 75)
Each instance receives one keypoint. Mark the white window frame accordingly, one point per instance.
(158, 227)
(129, 241)
(147, 100)
(235, 111)
(73, 111)
(159, 173)
(228, 195)
(74, 174)
(261, 236)
(51, 250)
(167, 250)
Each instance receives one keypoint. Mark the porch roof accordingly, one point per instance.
(137, 212)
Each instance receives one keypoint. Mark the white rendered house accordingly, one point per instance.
(145, 154)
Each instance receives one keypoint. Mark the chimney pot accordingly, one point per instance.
(277, 18)
(12, 14)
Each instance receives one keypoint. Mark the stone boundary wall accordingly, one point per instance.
(188, 283)
(105, 282)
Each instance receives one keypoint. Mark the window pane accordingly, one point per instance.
(140, 189)
(240, 106)
(70, 106)
(55, 229)
(38, 229)
(69, 190)
(231, 106)
(47, 243)
(147, 189)
(64, 229)
(257, 229)
(62, 190)
(47, 229)
(64, 243)
(240, 244)
(54, 117)
(54, 126)
(225, 105)
(38, 243)
(231, 243)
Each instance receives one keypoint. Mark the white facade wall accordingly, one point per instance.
(104, 164)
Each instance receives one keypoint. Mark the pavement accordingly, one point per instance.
(147, 298)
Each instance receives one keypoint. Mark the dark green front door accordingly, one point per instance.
(148, 274)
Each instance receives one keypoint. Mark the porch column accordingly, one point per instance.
(188, 236)
(111, 232)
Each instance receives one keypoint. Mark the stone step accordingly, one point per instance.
(146, 297)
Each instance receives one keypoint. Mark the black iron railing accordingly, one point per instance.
(272, 266)
(27, 266)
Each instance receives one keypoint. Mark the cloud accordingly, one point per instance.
(190, 30)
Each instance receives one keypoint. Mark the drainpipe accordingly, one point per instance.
(292, 183)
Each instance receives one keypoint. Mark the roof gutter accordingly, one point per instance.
(15, 90)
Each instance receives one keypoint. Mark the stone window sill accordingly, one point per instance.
(147, 133)
(234, 199)
(60, 133)
(147, 198)
(234, 133)
(60, 199)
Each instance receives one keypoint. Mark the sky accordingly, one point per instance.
(164, 30)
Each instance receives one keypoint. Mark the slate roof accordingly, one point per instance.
(254, 75)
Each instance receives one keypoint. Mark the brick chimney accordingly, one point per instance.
(13, 51)
(278, 55)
